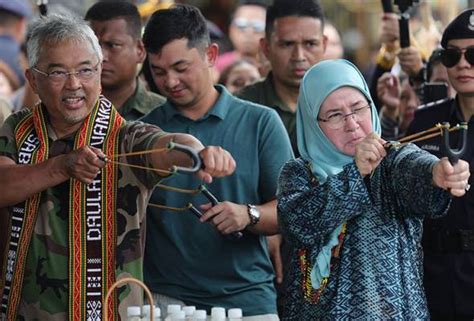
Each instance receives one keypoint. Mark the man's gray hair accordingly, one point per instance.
(56, 29)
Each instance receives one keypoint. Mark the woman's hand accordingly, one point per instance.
(453, 178)
(369, 153)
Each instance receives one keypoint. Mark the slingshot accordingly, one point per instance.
(439, 129)
(454, 154)
(192, 153)
(196, 166)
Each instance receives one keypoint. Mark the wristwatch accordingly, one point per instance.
(254, 214)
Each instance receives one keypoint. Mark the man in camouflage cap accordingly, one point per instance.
(448, 242)
(77, 219)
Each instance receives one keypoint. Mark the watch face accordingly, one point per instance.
(254, 214)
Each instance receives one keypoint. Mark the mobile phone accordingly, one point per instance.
(434, 91)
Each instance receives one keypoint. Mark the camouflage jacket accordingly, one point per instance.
(44, 292)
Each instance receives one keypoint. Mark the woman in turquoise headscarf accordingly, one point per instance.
(353, 211)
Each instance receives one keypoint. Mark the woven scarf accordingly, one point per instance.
(92, 224)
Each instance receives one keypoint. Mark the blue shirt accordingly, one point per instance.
(192, 261)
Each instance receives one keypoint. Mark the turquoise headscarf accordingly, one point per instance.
(326, 160)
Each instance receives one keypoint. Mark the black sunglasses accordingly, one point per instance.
(451, 56)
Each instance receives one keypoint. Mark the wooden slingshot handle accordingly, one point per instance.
(122, 282)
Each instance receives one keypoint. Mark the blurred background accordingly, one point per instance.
(357, 20)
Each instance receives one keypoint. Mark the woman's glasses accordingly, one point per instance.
(451, 56)
(337, 120)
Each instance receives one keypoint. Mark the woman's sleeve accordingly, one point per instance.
(411, 175)
(308, 212)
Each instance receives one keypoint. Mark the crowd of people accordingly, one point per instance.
(310, 201)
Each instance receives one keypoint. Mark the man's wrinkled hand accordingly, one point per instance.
(84, 163)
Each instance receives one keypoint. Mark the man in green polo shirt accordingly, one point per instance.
(196, 261)
(118, 27)
(293, 42)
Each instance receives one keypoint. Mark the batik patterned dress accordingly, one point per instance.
(378, 272)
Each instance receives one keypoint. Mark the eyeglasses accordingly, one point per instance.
(451, 56)
(60, 76)
(243, 23)
(337, 119)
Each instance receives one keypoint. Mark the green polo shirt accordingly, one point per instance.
(140, 103)
(192, 261)
(264, 93)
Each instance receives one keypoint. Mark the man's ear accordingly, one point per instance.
(31, 80)
(141, 52)
(212, 52)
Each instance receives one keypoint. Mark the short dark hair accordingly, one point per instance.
(108, 10)
(288, 8)
(178, 22)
